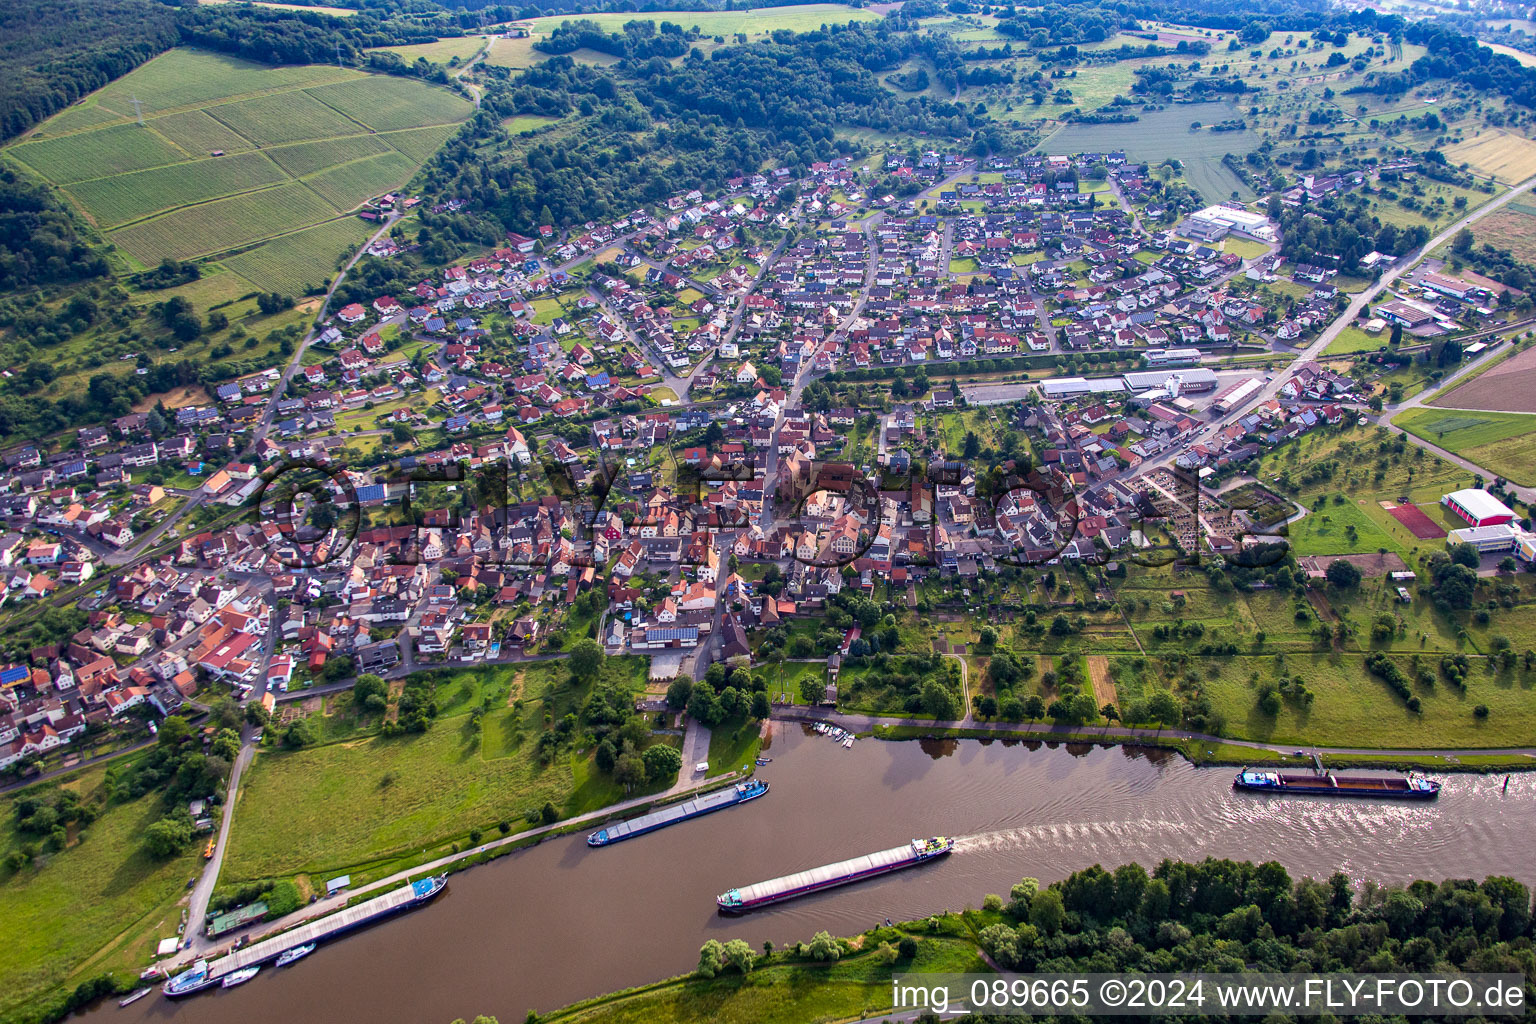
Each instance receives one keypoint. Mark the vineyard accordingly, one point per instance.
(232, 153)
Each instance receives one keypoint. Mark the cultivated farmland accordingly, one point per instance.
(1509, 386)
(298, 146)
(1499, 442)
(295, 262)
(1164, 134)
(1508, 158)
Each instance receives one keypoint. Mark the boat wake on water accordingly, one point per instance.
(1066, 832)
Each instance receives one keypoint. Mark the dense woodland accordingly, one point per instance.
(1225, 916)
(52, 52)
(38, 241)
(1459, 58)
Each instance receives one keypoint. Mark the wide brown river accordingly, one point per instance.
(560, 922)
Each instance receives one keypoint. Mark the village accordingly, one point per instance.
(667, 436)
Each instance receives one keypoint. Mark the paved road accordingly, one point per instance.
(203, 891)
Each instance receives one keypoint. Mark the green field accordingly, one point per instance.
(367, 800)
(520, 53)
(350, 185)
(1500, 442)
(300, 145)
(98, 905)
(1352, 340)
(212, 227)
(1165, 134)
(123, 198)
(1355, 709)
(1327, 531)
(440, 52)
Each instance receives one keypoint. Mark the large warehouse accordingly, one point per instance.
(1234, 395)
(1478, 507)
(1194, 378)
(1213, 223)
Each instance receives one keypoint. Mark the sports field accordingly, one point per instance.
(1499, 442)
(1419, 524)
(233, 154)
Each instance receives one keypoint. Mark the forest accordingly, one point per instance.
(38, 241)
(1461, 59)
(1225, 916)
(52, 52)
(1346, 230)
(654, 127)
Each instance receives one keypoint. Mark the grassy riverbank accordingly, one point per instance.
(99, 905)
(1206, 753)
(372, 804)
(792, 990)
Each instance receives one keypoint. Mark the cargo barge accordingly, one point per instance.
(1328, 784)
(706, 804)
(208, 973)
(761, 894)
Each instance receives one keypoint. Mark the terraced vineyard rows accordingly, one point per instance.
(298, 147)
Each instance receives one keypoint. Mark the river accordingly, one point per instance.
(560, 922)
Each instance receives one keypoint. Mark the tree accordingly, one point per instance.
(586, 659)
(823, 947)
(938, 701)
(1047, 912)
(679, 692)
(370, 693)
(662, 762)
(167, 837)
(1465, 554)
(1343, 575)
(739, 955)
(704, 707)
(760, 706)
(629, 770)
(711, 959)
(299, 734)
(174, 731)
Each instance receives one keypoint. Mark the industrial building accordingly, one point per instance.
(1235, 395)
(1215, 222)
(1192, 379)
(1489, 540)
(1478, 507)
(1409, 314)
(1172, 356)
(1071, 387)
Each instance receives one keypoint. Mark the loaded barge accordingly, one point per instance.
(207, 973)
(761, 894)
(718, 800)
(1328, 784)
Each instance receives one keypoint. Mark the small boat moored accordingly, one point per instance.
(239, 977)
(135, 996)
(194, 979)
(296, 953)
